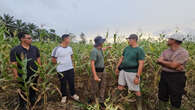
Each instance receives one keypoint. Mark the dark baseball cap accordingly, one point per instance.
(133, 36)
(99, 40)
(65, 36)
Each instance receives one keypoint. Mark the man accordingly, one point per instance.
(130, 66)
(172, 82)
(98, 80)
(62, 55)
(25, 50)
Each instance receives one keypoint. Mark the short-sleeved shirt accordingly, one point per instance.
(63, 57)
(131, 57)
(21, 53)
(98, 57)
(180, 56)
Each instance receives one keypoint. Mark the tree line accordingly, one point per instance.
(13, 26)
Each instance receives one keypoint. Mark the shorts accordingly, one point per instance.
(127, 78)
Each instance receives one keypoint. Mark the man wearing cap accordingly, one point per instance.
(130, 66)
(172, 82)
(62, 56)
(97, 65)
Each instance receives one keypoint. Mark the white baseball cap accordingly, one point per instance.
(176, 36)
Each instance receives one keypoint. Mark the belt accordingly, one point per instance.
(99, 69)
(172, 73)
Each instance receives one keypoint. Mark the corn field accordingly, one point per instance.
(48, 85)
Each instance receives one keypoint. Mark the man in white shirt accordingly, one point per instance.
(62, 56)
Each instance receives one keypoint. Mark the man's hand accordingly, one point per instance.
(96, 78)
(15, 70)
(108, 47)
(160, 60)
(117, 71)
(136, 80)
(53, 60)
(180, 68)
(16, 76)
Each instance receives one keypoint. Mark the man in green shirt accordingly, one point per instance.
(98, 80)
(130, 67)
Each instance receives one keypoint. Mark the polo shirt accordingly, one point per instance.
(21, 53)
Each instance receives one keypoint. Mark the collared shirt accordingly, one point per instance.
(98, 56)
(63, 57)
(180, 56)
(21, 53)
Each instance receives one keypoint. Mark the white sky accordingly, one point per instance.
(97, 16)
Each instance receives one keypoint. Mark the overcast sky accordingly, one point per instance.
(97, 16)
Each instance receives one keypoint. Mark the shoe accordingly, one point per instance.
(64, 99)
(75, 97)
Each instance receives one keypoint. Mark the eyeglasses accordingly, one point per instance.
(28, 38)
(129, 39)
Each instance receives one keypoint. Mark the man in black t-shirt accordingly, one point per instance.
(20, 52)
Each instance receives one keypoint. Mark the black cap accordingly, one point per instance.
(133, 36)
(98, 40)
(65, 36)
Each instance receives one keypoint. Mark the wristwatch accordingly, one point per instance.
(138, 76)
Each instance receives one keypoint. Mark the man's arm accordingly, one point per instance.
(74, 65)
(119, 63)
(53, 60)
(140, 67)
(94, 71)
(39, 60)
(38, 56)
(15, 70)
(168, 64)
(106, 48)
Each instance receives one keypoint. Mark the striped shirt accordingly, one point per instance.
(180, 56)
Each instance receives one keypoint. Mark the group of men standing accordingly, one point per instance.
(129, 69)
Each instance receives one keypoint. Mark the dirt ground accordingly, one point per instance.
(9, 96)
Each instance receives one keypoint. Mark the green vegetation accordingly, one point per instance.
(48, 84)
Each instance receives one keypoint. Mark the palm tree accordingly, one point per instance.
(7, 19)
(52, 30)
(21, 26)
(9, 23)
(32, 27)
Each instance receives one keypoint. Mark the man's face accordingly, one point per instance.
(131, 41)
(67, 40)
(101, 45)
(170, 42)
(27, 39)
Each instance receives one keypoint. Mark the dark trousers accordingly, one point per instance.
(32, 94)
(64, 77)
(172, 86)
